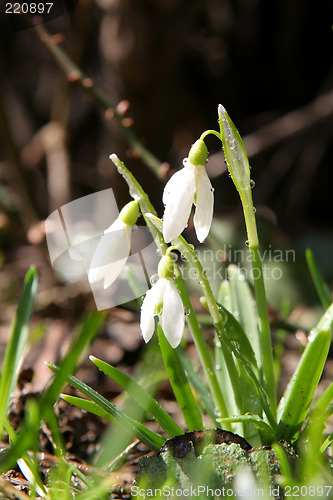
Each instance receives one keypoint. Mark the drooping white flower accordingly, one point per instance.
(189, 186)
(114, 247)
(163, 300)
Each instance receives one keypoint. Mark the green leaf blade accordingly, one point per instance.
(149, 438)
(17, 342)
(320, 284)
(296, 400)
(141, 396)
(180, 384)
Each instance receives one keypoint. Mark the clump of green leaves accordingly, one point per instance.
(237, 391)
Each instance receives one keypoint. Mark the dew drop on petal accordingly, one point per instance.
(252, 183)
(154, 279)
(254, 210)
(247, 243)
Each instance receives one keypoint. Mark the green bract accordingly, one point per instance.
(198, 153)
(130, 213)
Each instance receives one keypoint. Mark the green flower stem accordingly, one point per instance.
(201, 346)
(210, 132)
(218, 321)
(180, 384)
(75, 75)
(146, 207)
(137, 193)
(188, 252)
(267, 361)
(182, 246)
(239, 169)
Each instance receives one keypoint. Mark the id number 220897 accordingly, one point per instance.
(28, 8)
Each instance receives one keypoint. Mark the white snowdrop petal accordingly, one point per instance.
(112, 271)
(152, 299)
(204, 206)
(111, 254)
(117, 225)
(173, 318)
(171, 185)
(178, 198)
(147, 322)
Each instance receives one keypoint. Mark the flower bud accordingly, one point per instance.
(129, 213)
(234, 152)
(198, 153)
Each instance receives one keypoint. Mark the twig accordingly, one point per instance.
(290, 124)
(75, 75)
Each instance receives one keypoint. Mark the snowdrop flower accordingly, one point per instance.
(164, 301)
(189, 186)
(114, 247)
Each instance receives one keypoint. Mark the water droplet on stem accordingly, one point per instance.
(187, 311)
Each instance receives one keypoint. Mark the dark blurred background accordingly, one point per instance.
(270, 63)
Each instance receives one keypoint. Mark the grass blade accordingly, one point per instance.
(320, 284)
(244, 306)
(26, 439)
(200, 388)
(141, 396)
(17, 343)
(264, 429)
(180, 384)
(151, 439)
(296, 400)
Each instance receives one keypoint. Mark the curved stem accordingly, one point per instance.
(210, 132)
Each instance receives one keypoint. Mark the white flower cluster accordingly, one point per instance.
(188, 186)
